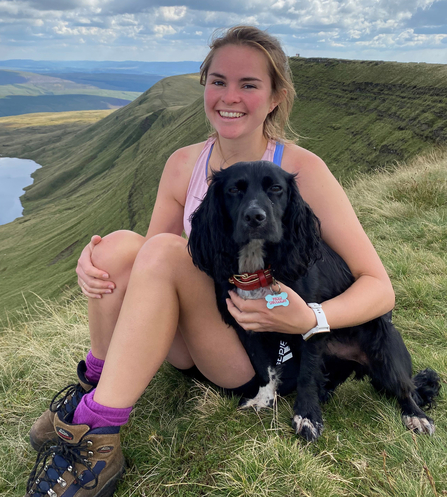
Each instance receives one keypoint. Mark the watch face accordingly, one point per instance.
(314, 332)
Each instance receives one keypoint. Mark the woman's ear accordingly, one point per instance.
(277, 99)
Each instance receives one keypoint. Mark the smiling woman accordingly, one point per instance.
(248, 98)
(15, 174)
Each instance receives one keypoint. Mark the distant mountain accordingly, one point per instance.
(28, 86)
(25, 92)
(111, 81)
(162, 69)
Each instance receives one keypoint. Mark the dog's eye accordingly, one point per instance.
(276, 189)
(233, 190)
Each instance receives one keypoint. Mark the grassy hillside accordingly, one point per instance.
(93, 184)
(18, 134)
(358, 116)
(361, 115)
(186, 439)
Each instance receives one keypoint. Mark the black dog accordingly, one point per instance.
(252, 218)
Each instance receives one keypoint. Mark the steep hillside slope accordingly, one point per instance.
(358, 116)
(362, 115)
(99, 179)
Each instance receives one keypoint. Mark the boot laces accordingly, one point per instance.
(51, 472)
(72, 394)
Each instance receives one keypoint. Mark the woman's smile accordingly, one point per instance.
(230, 114)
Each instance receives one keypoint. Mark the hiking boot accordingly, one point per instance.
(42, 430)
(83, 463)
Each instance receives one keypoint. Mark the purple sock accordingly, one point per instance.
(95, 415)
(94, 367)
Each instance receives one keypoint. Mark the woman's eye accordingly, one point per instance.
(276, 189)
(217, 83)
(249, 86)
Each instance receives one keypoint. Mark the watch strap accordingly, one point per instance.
(322, 324)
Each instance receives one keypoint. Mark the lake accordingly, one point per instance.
(15, 174)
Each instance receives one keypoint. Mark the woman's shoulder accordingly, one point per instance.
(188, 154)
(298, 160)
(178, 170)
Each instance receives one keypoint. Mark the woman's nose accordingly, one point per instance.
(231, 95)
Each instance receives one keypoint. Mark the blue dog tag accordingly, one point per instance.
(276, 300)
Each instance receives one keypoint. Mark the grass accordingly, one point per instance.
(186, 439)
(43, 119)
(364, 115)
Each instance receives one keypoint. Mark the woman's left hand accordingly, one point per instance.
(253, 315)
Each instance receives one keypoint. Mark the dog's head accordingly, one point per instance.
(247, 201)
(255, 198)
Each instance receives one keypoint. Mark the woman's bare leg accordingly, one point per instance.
(166, 292)
(116, 254)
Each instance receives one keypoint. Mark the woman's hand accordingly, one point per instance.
(253, 315)
(93, 281)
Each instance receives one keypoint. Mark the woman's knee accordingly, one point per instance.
(117, 251)
(164, 252)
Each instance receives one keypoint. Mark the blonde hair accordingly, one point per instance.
(277, 121)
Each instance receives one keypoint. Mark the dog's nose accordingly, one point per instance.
(255, 217)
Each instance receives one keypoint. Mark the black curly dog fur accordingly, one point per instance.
(253, 213)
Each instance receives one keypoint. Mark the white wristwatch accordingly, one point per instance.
(322, 324)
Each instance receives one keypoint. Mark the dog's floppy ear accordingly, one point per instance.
(300, 246)
(210, 243)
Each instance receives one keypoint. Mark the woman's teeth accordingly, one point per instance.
(230, 114)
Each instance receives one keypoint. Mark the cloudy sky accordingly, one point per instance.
(171, 30)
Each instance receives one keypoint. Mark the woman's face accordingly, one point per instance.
(238, 91)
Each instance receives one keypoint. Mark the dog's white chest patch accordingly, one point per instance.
(251, 259)
(266, 395)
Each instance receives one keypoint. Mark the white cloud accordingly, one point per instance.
(172, 13)
(141, 26)
(163, 30)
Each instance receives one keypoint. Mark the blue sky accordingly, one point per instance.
(401, 30)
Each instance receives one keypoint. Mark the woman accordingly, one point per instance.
(148, 303)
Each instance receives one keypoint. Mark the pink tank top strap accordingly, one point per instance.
(269, 151)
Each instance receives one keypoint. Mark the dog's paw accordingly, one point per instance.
(419, 424)
(306, 428)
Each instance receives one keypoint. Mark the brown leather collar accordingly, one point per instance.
(252, 281)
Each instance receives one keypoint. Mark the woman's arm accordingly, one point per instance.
(371, 295)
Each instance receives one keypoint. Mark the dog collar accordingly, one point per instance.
(252, 281)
